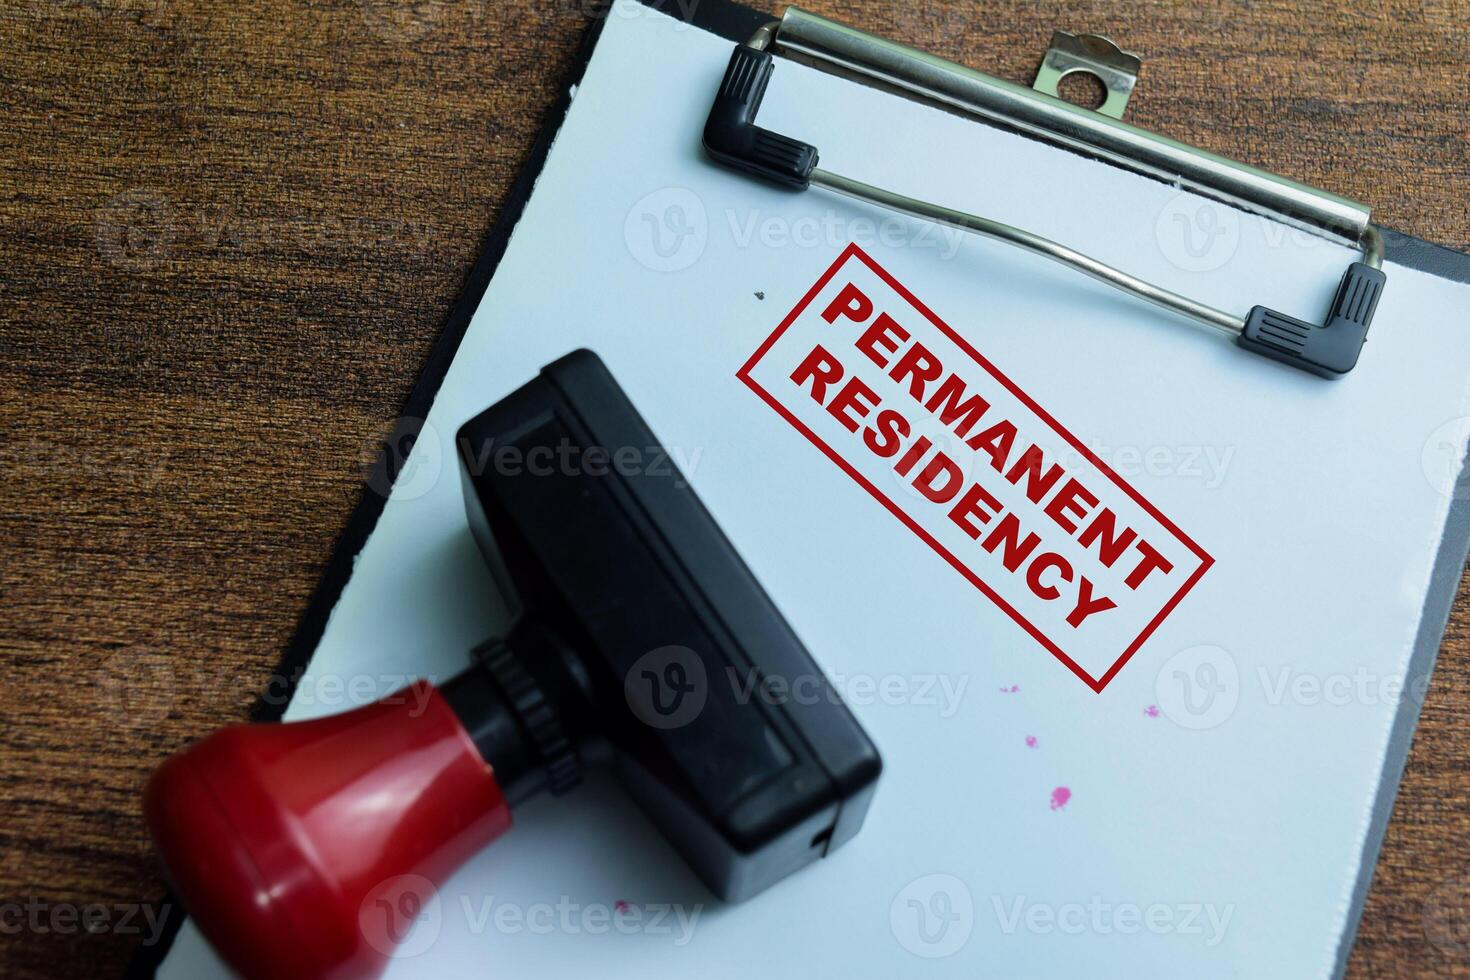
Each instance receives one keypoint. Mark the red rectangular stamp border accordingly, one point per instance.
(853, 250)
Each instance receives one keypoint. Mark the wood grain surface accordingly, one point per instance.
(229, 234)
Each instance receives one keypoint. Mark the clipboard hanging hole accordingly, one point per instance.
(1089, 55)
(1083, 88)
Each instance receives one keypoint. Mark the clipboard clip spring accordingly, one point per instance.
(1328, 349)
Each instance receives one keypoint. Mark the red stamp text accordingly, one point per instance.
(1015, 503)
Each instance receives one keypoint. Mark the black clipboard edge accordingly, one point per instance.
(1444, 582)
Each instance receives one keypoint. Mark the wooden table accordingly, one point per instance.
(231, 232)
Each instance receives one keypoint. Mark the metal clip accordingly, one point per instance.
(1094, 55)
(731, 137)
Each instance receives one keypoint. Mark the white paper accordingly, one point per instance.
(1202, 838)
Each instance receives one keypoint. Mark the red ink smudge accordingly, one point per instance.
(1030, 741)
(1059, 797)
(1152, 711)
(1011, 690)
(621, 906)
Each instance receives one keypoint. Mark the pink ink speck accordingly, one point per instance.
(1059, 797)
(1030, 741)
(1014, 688)
(1152, 711)
(621, 906)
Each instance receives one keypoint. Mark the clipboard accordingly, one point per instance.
(736, 25)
